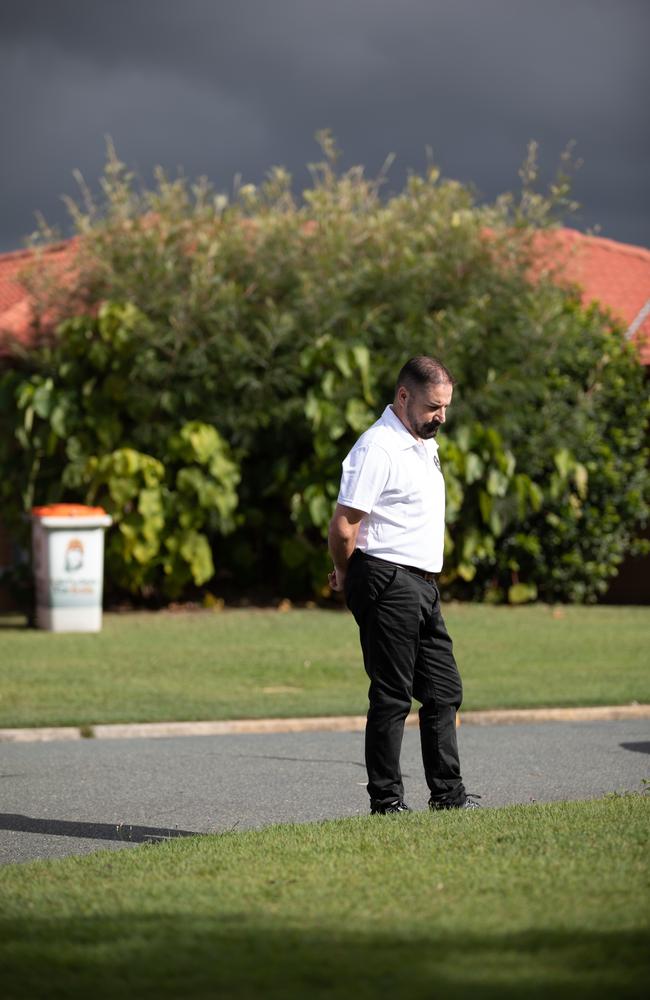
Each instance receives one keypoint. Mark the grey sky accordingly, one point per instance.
(221, 87)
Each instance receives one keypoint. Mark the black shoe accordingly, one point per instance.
(381, 808)
(468, 803)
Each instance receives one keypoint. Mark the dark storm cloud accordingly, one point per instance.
(221, 88)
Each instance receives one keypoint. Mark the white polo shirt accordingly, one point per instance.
(397, 482)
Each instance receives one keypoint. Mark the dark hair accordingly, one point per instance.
(422, 371)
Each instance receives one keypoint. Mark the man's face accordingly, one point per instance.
(424, 410)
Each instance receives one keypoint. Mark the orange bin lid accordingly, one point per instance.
(67, 510)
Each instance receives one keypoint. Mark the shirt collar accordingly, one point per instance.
(405, 438)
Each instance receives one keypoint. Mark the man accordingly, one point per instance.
(386, 541)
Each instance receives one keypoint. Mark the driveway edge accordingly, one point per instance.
(339, 723)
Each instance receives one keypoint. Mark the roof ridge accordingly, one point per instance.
(15, 254)
(25, 252)
(613, 246)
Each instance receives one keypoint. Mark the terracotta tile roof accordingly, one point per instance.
(16, 320)
(616, 275)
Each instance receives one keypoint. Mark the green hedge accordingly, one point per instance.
(244, 344)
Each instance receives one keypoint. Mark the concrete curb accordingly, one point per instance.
(340, 723)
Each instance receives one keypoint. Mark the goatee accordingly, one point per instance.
(430, 430)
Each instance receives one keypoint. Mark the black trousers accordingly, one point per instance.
(407, 654)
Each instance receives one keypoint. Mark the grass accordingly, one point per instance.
(530, 901)
(254, 663)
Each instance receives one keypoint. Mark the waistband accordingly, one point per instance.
(425, 574)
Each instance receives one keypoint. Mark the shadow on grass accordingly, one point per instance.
(235, 955)
(92, 831)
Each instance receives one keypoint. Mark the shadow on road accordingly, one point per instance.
(637, 747)
(302, 760)
(92, 831)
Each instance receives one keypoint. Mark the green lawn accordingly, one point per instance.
(254, 663)
(528, 901)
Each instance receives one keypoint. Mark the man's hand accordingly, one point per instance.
(342, 538)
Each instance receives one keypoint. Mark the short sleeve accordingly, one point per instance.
(365, 474)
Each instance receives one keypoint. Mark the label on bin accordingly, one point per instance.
(69, 567)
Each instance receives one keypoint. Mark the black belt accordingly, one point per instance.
(429, 577)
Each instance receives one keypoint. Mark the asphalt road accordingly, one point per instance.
(58, 799)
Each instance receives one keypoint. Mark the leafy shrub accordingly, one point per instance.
(281, 326)
(70, 429)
